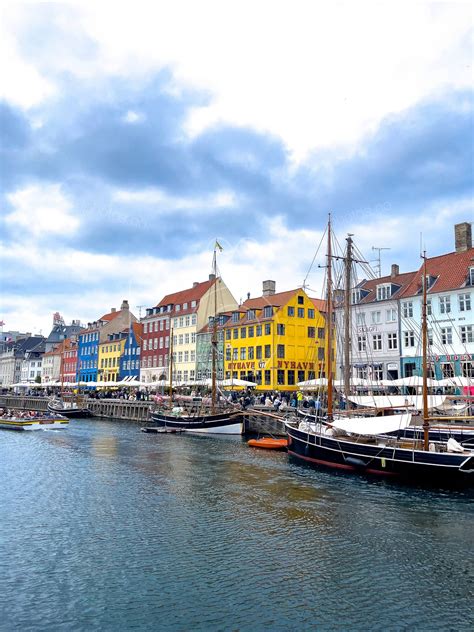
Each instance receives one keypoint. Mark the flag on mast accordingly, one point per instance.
(217, 245)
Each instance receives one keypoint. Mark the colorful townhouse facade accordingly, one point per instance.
(130, 359)
(450, 307)
(374, 326)
(276, 340)
(96, 333)
(109, 354)
(175, 321)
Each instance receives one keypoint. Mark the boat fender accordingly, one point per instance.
(454, 446)
(359, 463)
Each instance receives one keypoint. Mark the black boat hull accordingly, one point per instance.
(70, 412)
(221, 423)
(411, 465)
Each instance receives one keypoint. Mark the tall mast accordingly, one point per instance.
(170, 364)
(214, 333)
(347, 320)
(329, 323)
(424, 340)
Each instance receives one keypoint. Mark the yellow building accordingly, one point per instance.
(109, 358)
(276, 340)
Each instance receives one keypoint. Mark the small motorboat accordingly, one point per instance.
(268, 443)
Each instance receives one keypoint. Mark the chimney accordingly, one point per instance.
(196, 283)
(212, 277)
(124, 304)
(113, 310)
(463, 236)
(269, 288)
(395, 270)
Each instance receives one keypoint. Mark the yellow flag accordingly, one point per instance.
(218, 246)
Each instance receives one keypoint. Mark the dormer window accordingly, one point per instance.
(185, 306)
(356, 297)
(235, 317)
(470, 278)
(251, 314)
(178, 308)
(267, 311)
(384, 291)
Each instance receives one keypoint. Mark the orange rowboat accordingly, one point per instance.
(267, 443)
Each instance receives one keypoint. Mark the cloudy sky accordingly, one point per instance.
(132, 138)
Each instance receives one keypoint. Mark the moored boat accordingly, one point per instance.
(68, 408)
(268, 443)
(31, 420)
(218, 423)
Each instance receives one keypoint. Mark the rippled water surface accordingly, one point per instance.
(107, 528)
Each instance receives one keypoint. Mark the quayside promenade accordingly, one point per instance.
(256, 420)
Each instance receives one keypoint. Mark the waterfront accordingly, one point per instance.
(104, 527)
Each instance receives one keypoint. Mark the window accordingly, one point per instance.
(186, 356)
(446, 335)
(235, 354)
(258, 330)
(243, 332)
(311, 313)
(280, 351)
(407, 309)
(300, 312)
(383, 292)
(268, 351)
(180, 356)
(228, 334)
(235, 333)
(392, 341)
(391, 315)
(194, 319)
(311, 332)
(467, 369)
(300, 300)
(467, 333)
(186, 339)
(228, 355)
(235, 317)
(181, 321)
(193, 338)
(356, 296)
(251, 331)
(243, 353)
(291, 378)
(377, 373)
(470, 278)
(409, 338)
(447, 369)
(430, 337)
(360, 318)
(428, 307)
(464, 302)
(251, 314)
(193, 303)
(361, 343)
(145, 328)
(250, 353)
(321, 355)
(321, 333)
(280, 329)
(178, 308)
(445, 305)
(280, 377)
(181, 339)
(258, 353)
(268, 378)
(291, 311)
(376, 318)
(377, 342)
(267, 311)
(268, 329)
(187, 321)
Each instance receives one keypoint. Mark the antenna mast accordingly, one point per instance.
(379, 259)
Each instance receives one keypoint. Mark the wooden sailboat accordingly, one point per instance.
(363, 445)
(194, 416)
(67, 405)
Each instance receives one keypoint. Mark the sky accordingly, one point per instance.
(133, 138)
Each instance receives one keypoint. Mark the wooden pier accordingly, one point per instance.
(257, 420)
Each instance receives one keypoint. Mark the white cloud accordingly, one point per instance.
(315, 74)
(157, 197)
(133, 117)
(40, 210)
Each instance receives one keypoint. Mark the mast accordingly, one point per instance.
(171, 366)
(214, 334)
(424, 339)
(347, 320)
(329, 323)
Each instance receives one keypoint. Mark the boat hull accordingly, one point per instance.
(412, 465)
(221, 423)
(70, 412)
(33, 424)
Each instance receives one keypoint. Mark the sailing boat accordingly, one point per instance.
(362, 444)
(69, 406)
(195, 415)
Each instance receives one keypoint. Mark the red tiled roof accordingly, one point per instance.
(138, 331)
(186, 296)
(320, 305)
(450, 271)
(403, 280)
(276, 300)
(109, 317)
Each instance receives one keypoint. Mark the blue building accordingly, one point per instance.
(130, 359)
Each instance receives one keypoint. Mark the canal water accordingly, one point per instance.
(106, 528)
